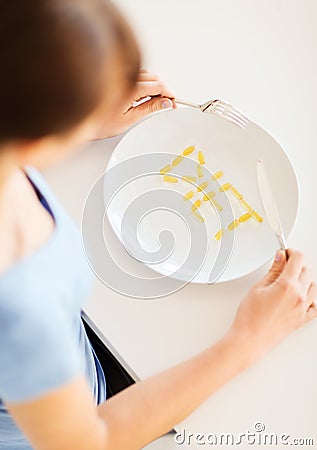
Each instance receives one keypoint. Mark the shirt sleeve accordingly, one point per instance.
(38, 352)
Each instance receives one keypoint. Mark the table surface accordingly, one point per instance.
(260, 56)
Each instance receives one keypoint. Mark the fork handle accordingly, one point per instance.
(186, 103)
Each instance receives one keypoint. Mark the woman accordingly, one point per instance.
(70, 68)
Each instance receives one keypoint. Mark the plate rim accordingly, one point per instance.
(111, 164)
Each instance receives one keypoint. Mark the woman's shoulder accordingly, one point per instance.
(52, 267)
(25, 225)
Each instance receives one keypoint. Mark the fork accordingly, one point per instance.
(219, 108)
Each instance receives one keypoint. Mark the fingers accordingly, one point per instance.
(312, 294)
(305, 279)
(294, 264)
(276, 269)
(311, 314)
(151, 89)
(290, 273)
(152, 94)
(311, 301)
(148, 107)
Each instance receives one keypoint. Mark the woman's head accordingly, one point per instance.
(60, 60)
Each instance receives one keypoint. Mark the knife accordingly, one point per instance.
(269, 205)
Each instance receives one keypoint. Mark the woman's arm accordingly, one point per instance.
(67, 418)
(154, 406)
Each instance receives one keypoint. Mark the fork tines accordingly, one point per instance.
(228, 112)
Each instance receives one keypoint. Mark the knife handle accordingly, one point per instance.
(283, 244)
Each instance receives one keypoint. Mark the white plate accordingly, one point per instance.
(152, 144)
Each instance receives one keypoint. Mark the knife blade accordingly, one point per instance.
(269, 205)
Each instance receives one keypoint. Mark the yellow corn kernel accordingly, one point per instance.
(236, 193)
(196, 205)
(245, 205)
(201, 157)
(257, 216)
(233, 224)
(188, 150)
(178, 160)
(225, 187)
(165, 169)
(198, 216)
(219, 234)
(217, 175)
(189, 178)
(216, 204)
(189, 195)
(170, 179)
(245, 217)
(209, 196)
(200, 171)
(202, 186)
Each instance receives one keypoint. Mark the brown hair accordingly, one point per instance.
(56, 57)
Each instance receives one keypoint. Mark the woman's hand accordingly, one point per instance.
(155, 96)
(279, 304)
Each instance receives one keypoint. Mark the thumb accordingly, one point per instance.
(150, 106)
(276, 269)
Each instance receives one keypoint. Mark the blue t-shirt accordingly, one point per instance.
(43, 343)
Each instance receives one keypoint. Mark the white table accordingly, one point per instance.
(260, 56)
